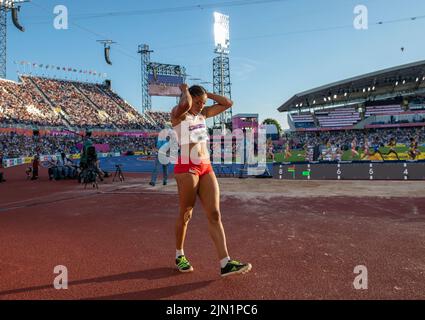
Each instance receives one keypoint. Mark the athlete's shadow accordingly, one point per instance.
(150, 274)
(157, 293)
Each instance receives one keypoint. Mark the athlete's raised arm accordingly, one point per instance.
(185, 102)
(222, 104)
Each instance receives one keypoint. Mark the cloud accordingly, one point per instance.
(242, 68)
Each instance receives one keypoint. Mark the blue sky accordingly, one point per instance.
(277, 48)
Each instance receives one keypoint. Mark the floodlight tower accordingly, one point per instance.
(5, 6)
(221, 66)
(146, 59)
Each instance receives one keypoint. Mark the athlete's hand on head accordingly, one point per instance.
(184, 87)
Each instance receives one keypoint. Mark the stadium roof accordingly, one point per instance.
(395, 81)
(246, 115)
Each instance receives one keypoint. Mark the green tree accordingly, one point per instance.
(275, 122)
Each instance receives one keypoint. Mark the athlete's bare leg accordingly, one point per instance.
(187, 185)
(209, 193)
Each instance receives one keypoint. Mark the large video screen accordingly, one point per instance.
(164, 85)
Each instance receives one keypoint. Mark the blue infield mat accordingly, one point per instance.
(139, 164)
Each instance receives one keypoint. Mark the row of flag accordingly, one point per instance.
(67, 69)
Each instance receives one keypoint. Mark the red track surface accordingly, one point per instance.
(119, 244)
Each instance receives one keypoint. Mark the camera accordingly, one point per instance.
(118, 173)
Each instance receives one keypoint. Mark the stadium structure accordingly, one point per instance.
(46, 103)
(110, 239)
(393, 97)
(364, 106)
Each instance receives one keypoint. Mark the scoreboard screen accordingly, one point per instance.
(347, 170)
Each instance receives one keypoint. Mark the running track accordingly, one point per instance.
(118, 243)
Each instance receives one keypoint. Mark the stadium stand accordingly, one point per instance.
(13, 145)
(305, 120)
(383, 110)
(78, 110)
(343, 139)
(386, 97)
(160, 118)
(136, 120)
(20, 104)
(407, 117)
(37, 101)
(341, 117)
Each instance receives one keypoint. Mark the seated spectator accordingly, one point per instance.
(52, 169)
(65, 168)
(70, 167)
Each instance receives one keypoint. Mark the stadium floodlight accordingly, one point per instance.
(11, 3)
(221, 33)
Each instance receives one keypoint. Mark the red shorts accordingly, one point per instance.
(200, 169)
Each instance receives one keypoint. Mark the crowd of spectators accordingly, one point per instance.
(14, 145)
(343, 139)
(106, 106)
(20, 103)
(40, 101)
(65, 96)
(137, 121)
(161, 119)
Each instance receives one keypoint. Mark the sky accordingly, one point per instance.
(277, 47)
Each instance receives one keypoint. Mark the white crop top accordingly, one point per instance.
(192, 130)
